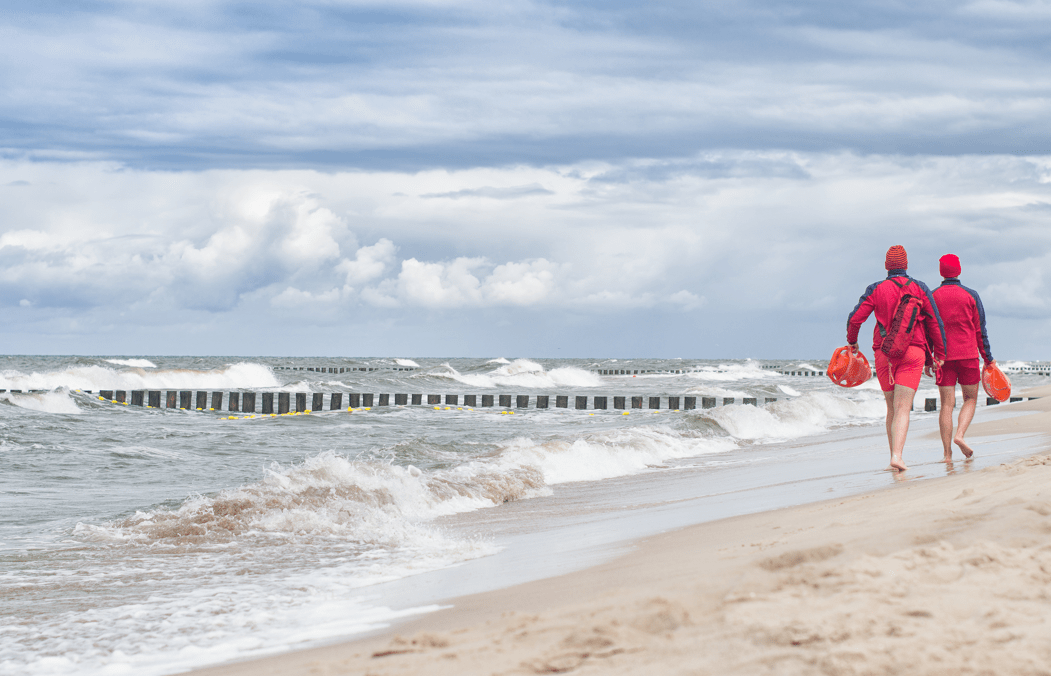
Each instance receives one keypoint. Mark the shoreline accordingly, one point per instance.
(834, 586)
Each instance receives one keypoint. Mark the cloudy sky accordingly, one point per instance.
(521, 178)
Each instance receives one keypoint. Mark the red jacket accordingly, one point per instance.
(964, 317)
(882, 298)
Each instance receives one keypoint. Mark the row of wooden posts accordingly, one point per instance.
(245, 402)
(931, 404)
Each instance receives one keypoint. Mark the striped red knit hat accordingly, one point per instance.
(897, 259)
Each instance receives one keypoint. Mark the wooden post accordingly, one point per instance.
(366, 400)
(355, 400)
(505, 401)
(599, 403)
(522, 401)
(618, 403)
(452, 400)
(248, 402)
(335, 402)
(1014, 399)
(434, 399)
(402, 399)
(121, 396)
(750, 400)
(202, 401)
(301, 402)
(990, 401)
(235, 401)
(673, 403)
(771, 400)
(930, 404)
(105, 394)
(184, 399)
(727, 401)
(636, 402)
(707, 402)
(217, 401)
(137, 397)
(470, 400)
(655, 402)
(690, 403)
(283, 402)
(154, 399)
(268, 403)
(317, 402)
(384, 400)
(561, 401)
(487, 400)
(582, 403)
(541, 401)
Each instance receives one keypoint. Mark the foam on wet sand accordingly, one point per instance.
(928, 577)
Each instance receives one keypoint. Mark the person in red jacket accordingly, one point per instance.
(964, 316)
(899, 379)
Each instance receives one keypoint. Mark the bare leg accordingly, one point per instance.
(970, 402)
(889, 398)
(948, 402)
(899, 428)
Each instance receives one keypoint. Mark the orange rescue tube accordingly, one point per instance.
(996, 383)
(848, 368)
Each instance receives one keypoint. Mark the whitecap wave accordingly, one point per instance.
(137, 363)
(46, 402)
(811, 414)
(406, 362)
(524, 373)
(94, 378)
(498, 360)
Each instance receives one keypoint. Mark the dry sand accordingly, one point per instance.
(946, 576)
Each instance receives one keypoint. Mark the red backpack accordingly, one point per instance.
(898, 336)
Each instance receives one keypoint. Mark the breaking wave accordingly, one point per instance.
(524, 373)
(233, 376)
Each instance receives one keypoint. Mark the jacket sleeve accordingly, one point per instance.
(933, 323)
(982, 335)
(860, 313)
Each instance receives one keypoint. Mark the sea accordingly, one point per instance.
(151, 541)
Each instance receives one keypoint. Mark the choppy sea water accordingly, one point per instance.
(149, 541)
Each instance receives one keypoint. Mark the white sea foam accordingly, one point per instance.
(749, 370)
(406, 362)
(810, 414)
(137, 363)
(46, 402)
(234, 376)
(790, 391)
(498, 360)
(525, 373)
(609, 454)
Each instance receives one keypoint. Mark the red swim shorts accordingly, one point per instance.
(963, 371)
(907, 370)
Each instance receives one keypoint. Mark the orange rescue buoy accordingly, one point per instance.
(848, 368)
(996, 383)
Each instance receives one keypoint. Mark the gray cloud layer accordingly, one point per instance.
(431, 83)
(729, 254)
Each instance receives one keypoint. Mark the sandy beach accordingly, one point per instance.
(944, 576)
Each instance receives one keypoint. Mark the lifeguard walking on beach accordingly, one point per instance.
(964, 317)
(899, 377)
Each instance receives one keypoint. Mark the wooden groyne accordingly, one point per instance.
(301, 402)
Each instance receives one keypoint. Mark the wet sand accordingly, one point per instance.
(932, 577)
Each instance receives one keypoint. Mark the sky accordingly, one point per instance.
(538, 179)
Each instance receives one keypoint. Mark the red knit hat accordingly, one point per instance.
(897, 258)
(949, 265)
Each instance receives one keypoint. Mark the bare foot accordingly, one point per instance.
(947, 457)
(964, 448)
(897, 464)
